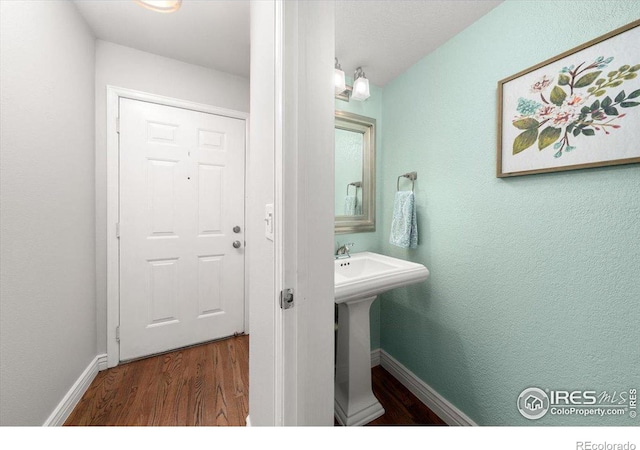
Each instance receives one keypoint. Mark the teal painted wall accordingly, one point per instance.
(534, 279)
(370, 241)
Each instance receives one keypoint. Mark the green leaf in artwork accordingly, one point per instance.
(634, 94)
(612, 74)
(616, 83)
(557, 95)
(620, 97)
(587, 79)
(631, 76)
(595, 106)
(607, 102)
(588, 132)
(629, 104)
(526, 124)
(548, 136)
(600, 81)
(585, 110)
(563, 79)
(576, 131)
(525, 140)
(600, 93)
(635, 68)
(611, 111)
(623, 68)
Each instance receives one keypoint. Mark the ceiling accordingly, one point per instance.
(207, 33)
(385, 37)
(388, 37)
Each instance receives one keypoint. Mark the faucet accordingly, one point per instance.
(343, 251)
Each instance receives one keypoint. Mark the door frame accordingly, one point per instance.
(114, 94)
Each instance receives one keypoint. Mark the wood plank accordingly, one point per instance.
(168, 391)
(238, 384)
(241, 363)
(183, 388)
(135, 408)
(219, 372)
(198, 400)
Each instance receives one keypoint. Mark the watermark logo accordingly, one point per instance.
(588, 445)
(533, 403)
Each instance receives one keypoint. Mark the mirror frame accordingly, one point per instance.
(367, 126)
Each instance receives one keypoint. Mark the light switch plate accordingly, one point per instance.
(268, 221)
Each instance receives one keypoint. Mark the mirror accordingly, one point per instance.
(355, 166)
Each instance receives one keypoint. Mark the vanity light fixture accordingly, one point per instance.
(360, 89)
(360, 86)
(339, 79)
(162, 6)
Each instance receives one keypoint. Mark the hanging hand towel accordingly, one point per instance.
(351, 206)
(404, 226)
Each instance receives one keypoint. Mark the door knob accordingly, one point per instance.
(236, 244)
(236, 229)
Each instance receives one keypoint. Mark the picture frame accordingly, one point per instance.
(577, 110)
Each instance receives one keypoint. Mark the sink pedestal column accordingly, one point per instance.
(354, 402)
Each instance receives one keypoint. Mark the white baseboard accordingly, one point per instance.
(102, 362)
(71, 399)
(425, 393)
(248, 422)
(375, 357)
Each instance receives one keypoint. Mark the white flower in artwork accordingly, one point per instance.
(546, 112)
(576, 100)
(541, 85)
(569, 110)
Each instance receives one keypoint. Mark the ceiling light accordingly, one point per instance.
(339, 79)
(360, 86)
(163, 6)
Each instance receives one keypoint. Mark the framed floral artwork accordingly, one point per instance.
(576, 110)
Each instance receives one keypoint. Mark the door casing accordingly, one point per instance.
(113, 194)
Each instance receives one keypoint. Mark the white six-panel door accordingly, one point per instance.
(181, 195)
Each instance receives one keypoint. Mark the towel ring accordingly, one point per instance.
(357, 184)
(413, 176)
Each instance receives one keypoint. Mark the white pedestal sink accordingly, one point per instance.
(358, 281)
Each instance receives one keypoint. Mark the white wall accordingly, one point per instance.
(125, 67)
(47, 228)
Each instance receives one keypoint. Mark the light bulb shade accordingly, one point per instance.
(339, 81)
(163, 6)
(360, 89)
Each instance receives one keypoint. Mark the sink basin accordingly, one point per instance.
(358, 280)
(366, 274)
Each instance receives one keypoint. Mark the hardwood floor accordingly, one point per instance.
(208, 385)
(400, 405)
(203, 385)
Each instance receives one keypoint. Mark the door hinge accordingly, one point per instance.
(118, 125)
(118, 230)
(286, 299)
(118, 334)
